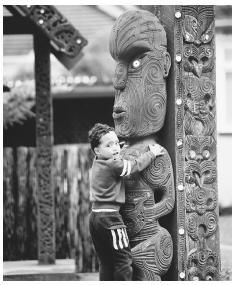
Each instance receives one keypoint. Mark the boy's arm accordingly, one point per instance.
(124, 167)
(139, 164)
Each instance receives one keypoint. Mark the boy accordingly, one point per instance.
(107, 193)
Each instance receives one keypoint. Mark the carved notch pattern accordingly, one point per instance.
(196, 109)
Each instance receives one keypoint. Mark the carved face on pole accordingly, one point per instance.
(138, 44)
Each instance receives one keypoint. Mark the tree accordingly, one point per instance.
(17, 105)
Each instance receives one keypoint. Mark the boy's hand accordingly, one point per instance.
(156, 149)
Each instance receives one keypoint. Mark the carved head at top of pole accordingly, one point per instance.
(138, 44)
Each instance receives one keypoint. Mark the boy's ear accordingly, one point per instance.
(96, 150)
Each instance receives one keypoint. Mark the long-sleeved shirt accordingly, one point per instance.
(106, 184)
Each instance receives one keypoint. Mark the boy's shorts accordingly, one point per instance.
(111, 243)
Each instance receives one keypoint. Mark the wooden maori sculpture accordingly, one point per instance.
(138, 44)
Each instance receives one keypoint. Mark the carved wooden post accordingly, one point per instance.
(44, 143)
(191, 119)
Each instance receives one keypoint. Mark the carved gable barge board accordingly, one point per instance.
(66, 42)
(190, 137)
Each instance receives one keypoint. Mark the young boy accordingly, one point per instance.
(107, 193)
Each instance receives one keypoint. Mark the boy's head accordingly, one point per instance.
(104, 141)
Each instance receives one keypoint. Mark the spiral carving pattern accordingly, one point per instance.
(201, 226)
(211, 223)
(198, 88)
(206, 86)
(158, 173)
(153, 256)
(200, 196)
(200, 200)
(155, 109)
(164, 254)
(153, 72)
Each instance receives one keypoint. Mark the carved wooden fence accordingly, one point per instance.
(71, 164)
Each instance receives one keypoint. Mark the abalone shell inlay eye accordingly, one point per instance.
(136, 63)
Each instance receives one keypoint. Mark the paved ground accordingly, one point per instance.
(64, 269)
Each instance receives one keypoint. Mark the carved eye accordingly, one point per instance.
(209, 201)
(192, 154)
(136, 63)
(206, 153)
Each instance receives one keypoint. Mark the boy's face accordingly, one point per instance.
(109, 146)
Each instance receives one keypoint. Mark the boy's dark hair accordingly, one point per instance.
(97, 132)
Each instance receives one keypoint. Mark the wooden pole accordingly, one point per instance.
(44, 143)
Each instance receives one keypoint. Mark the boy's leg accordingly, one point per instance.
(112, 247)
(106, 272)
(122, 256)
(103, 254)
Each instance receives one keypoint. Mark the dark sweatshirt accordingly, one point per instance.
(107, 189)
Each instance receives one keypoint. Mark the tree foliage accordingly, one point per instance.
(17, 105)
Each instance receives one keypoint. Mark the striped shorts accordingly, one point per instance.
(111, 244)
